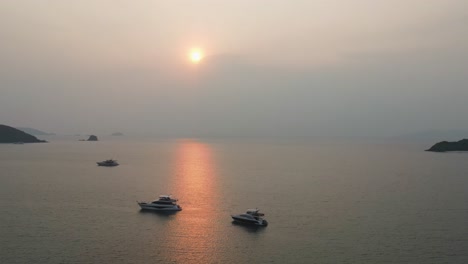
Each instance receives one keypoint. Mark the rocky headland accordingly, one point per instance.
(445, 146)
(10, 134)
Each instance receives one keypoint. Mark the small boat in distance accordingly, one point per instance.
(108, 163)
(164, 203)
(252, 216)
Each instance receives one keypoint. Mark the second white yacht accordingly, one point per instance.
(164, 203)
(252, 216)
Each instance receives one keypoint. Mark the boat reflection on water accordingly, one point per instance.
(162, 214)
(197, 232)
(248, 228)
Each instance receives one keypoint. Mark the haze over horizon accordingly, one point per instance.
(354, 68)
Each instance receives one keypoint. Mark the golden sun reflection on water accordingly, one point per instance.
(195, 230)
(195, 174)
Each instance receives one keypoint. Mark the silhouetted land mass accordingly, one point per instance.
(10, 134)
(92, 138)
(444, 146)
(117, 134)
(35, 132)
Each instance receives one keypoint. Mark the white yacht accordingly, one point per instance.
(108, 163)
(252, 216)
(164, 203)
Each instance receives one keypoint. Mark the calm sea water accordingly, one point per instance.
(326, 202)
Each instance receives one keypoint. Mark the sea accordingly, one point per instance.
(326, 201)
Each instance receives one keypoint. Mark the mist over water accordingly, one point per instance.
(326, 202)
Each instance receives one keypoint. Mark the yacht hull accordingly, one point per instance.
(107, 165)
(146, 206)
(249, 221)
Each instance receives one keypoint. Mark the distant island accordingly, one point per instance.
(92, 138)
(10, 134)
(117, 134)
(35, 132)
(445, 146)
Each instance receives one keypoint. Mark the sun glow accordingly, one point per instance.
(196, 56)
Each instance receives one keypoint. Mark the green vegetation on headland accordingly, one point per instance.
(10, 134)
(444, 146)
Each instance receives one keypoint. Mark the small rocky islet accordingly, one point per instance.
(92, 138)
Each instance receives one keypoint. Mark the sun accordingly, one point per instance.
(196, 56)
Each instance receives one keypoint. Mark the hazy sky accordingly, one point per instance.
(311, 67)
